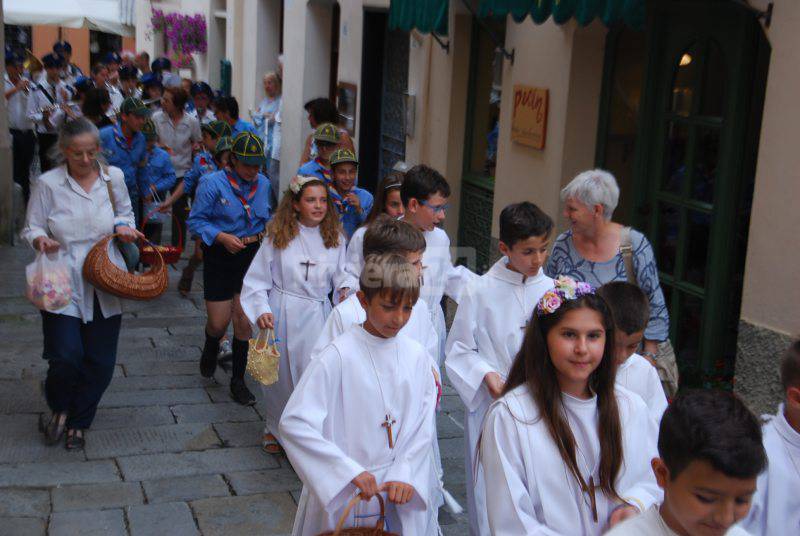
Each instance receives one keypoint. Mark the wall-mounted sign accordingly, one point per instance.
(529, 117)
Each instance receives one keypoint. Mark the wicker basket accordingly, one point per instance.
(377, 530)
(149, 251)
(108, 277)
(263, 358)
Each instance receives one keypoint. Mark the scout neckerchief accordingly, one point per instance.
(237, 191)
(326, 171)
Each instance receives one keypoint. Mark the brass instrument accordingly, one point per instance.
(32, 64)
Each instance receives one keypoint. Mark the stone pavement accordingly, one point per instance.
(169, 452)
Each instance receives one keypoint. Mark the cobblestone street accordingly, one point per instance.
(168, 453)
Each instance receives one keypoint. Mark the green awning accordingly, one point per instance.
(630, 12)
(423, 15)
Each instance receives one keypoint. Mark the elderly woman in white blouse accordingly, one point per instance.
(69, 211)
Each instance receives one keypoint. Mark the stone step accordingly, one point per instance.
(208, 462)
(102, 444)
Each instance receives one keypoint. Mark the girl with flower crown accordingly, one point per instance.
(288, 283)
(564, 450)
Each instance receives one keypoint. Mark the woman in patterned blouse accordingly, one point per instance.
(590, 250)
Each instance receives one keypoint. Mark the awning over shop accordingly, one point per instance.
(422, 15)
(101, 15)
(630, 12)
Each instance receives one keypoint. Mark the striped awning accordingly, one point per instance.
(630, 12)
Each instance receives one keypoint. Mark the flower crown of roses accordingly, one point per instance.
(298, 181)
(565, 289)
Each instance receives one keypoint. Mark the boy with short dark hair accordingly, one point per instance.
(424, 193)
(489, 327)
(361, 418)
(776, 505)
(155, 181)
(631, 311)
(710, 454)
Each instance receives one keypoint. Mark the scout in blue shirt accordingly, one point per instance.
(352, 203)
(227, 109)
(207, 166)
(156, 179)
(326, 136)
(230, 212)
(124, 146)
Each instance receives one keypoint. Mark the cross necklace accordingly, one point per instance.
(588, 487)
(308, 264)
(388, 421)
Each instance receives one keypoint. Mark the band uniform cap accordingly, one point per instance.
(327, 132)
(13, 58)
(201, 87)
(150, 79)
(132, 105)
(160, 64)
(217, 128)
(248, 149)
(112, 57)
(128, 72)
(83, 83)
(62, 46)
(341, 156)
(149, 130)
(224, 144)
(52, 60)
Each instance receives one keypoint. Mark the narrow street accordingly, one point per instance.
(169, 452)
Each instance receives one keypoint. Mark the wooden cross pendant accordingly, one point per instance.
(388, 425)
(307, 264)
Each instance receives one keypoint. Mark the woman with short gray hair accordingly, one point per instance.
(70, 210)
(592, 251)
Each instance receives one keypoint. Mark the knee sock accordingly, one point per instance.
(239, 348)
(211, 346)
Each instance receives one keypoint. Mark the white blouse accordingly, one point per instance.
(60, 208)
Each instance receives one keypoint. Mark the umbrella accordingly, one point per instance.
(101, 15)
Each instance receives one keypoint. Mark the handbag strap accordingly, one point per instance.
(351, 504)
(111, 196)
(626, 250)
(262, 339)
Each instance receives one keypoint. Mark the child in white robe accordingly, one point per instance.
(361, 418)
(709, 455)
(387, 201)
(631, 311)
(565, 450)
(288, 283)
(387, 235)
(488, 329)
(776, 504)
(424, 193)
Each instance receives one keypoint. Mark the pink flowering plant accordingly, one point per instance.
(565, 289)
(185, 35)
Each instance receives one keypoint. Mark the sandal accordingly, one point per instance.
(270, 445)
(55, 428)
(75, 439)
(185, 282)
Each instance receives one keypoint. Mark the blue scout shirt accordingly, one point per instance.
(219, 208)
(203, 163)
(158, 172)
(242, 126)
(347, 213)
(313, 168)
(129, 158)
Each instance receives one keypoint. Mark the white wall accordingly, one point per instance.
(261, 21)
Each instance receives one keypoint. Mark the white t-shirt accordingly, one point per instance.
(650, 523)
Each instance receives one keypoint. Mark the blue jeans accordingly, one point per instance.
(81, 358)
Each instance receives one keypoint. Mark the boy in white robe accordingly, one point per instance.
(361, 417)
(489, 327)
(424, 193)
(709, 456)
(631, 311)
(776, 504)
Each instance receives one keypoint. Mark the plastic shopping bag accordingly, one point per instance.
(49, 283)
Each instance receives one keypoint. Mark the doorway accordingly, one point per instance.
(480, 141)
(689, 187)
(384, 84)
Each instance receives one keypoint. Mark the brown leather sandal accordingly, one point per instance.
(270, 445)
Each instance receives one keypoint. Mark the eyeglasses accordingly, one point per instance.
(435, 208)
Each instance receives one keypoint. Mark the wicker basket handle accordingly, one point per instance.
(108, 239)
(174, 222)
(355, 500)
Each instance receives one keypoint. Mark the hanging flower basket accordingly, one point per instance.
(184, 34)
